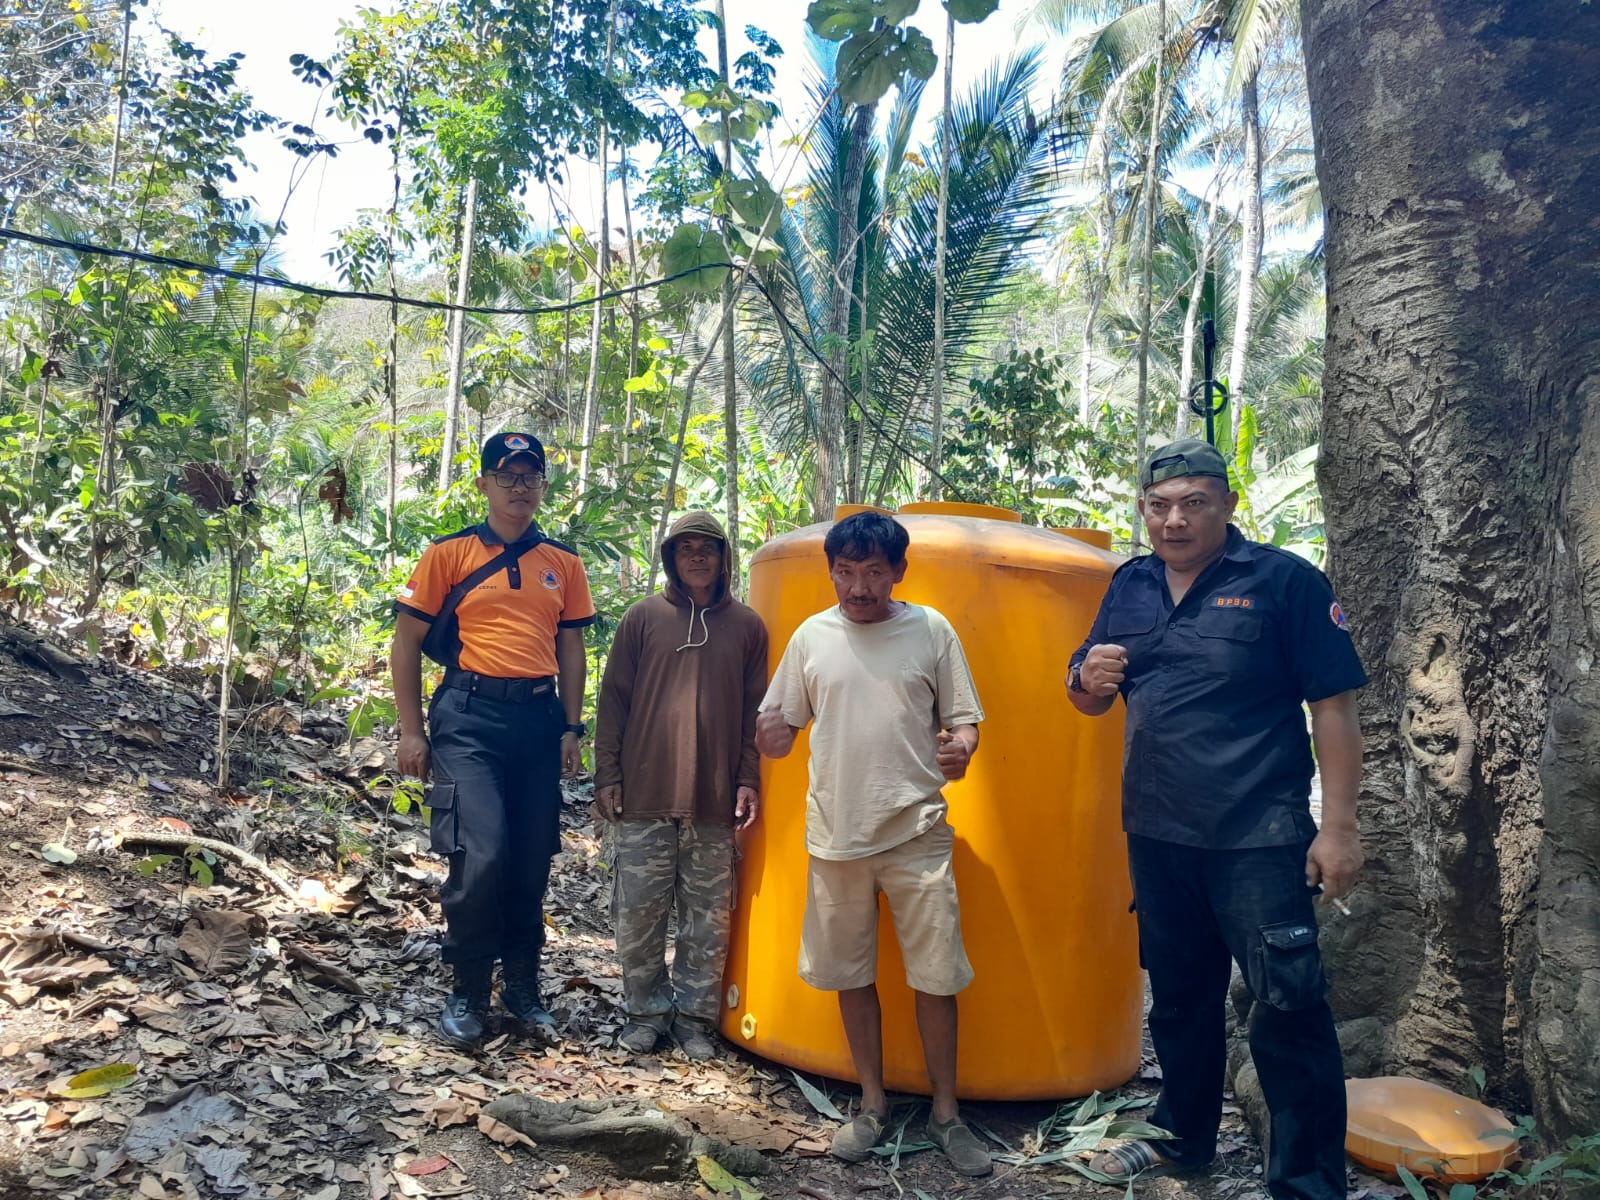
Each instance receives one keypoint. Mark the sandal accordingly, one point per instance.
(1135, 1160)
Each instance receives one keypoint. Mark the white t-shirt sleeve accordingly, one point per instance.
(958, 694)
(787, 691)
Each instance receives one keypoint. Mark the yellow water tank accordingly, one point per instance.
(1040, 860)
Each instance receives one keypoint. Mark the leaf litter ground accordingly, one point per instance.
(162, 1038)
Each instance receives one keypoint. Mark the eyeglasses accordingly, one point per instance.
(511, 479)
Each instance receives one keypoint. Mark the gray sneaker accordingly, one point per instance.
(961, 1146)
(694, 1041)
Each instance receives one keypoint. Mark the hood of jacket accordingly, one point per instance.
(699, 523)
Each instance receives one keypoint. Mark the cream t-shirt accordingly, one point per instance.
(879, 694)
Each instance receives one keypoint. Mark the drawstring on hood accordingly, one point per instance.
(699, 523)
(691, 644)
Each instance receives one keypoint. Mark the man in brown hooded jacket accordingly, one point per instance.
(676, 772)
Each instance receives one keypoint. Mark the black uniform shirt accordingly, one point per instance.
(1217, 754)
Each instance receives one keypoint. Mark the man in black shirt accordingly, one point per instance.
(1214, 643)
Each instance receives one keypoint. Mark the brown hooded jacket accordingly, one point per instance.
(676, 720)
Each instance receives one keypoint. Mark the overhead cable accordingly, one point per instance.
(307, 289)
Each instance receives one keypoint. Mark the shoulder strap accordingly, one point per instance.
(443, 640)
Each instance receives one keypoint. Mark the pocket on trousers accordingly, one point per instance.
(443, 834)
(1286, 968)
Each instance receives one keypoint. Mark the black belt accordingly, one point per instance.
(512, 691)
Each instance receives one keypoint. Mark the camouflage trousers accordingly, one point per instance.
(659, 866)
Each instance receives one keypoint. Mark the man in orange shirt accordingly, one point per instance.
(502, 608)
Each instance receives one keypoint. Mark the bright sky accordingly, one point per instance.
(334, 190)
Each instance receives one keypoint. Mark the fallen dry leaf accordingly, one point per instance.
(38, 958)
(99, 1081)
(497, 1131)
(452, 1111)
(759, 1131)
(141, 733)
(426, 1166)
(218, 941)
(324, 973)
(169, 1120)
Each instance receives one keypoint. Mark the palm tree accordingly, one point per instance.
(999, 196)
(1110, 85)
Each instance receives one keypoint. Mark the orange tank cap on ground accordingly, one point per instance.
(1396, 1121)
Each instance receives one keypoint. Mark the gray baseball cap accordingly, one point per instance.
(1187, 456)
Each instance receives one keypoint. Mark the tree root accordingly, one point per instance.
(182, 841)
(640, 1140)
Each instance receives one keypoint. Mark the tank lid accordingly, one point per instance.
(1093, 537)
(950, 508)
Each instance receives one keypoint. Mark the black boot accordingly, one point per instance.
(519, 991)
(466, 1009)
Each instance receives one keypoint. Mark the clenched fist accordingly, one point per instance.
(1103, 669)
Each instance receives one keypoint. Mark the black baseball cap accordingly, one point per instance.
(503, 447)
(1187, 456)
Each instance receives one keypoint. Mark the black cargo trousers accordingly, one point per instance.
(495, 804)
(1199, 911)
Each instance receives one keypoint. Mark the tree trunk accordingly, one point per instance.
(591, 387)
(591, 390)
(857, 488)
(730, 378)
(669, 501)
(1152, 176)
(458, 337)
(831, 405)
(1191, 322)
(633, 307)
(940, 244)
(1249, 247)
(1458, 148)
(1104, 227)
(122, 97)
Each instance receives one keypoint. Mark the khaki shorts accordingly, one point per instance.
(839, 938)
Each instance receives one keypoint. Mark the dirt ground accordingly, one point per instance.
(258, 1044)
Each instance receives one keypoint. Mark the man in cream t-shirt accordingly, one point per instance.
(894, 714)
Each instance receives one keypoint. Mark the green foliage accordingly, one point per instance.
(837, 20)
(1279, 505)
(1000, 197)
(877, 52)
(691, 248)
(971, 12)
(872, 63)
(1016, 441)
(207, 466)
(1571, 1169)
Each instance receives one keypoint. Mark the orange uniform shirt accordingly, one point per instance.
(508, 622)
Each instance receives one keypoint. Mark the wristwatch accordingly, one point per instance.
(1075, 679)
(580, 729)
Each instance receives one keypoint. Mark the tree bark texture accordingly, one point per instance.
(1458, 149)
